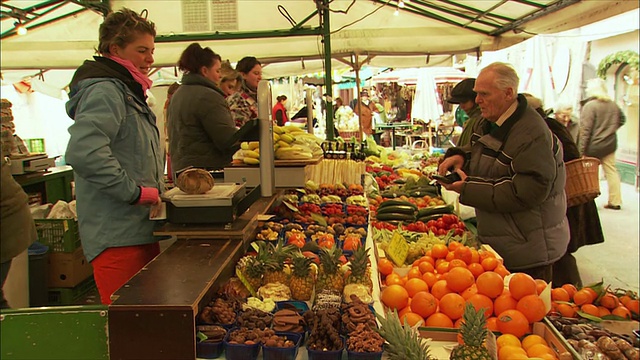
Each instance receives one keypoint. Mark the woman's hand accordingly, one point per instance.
(156, 209)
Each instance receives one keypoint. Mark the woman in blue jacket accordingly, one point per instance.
(115, 152)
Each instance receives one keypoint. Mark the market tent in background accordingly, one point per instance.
(285, 34)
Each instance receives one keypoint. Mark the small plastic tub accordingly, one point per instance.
(240, 351)
(353, 355)
(278, 353)
(326, 355)
(209, 350)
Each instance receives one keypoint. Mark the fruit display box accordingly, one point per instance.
(444, 340)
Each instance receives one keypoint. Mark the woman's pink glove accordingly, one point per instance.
(148, 196)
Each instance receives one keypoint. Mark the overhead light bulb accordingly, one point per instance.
(20, 29)
(401, 4)
(396, 13)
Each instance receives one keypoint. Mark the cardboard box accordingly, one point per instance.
(444, 340)
(68, 269)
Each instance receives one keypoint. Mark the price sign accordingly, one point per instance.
(398, 249)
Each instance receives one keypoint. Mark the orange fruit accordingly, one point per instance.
(610, 301)
(426, 267)
(463, 253)
(457, 263)
(492, 323)
(483, 254)
(502, 271)
(471, 290)
(510, 352)
(590, 309)
(402, 312)
(513, 322)
(480, 301)
(570, 289)
(439, 251)
(415, 285)
(624, 299)
(440, 288)
(490, 283)
(531, 340)
(393, 279)
(452, 305)
(414, 273)
(603, 311)
(594, 294)
(456, 325)
(532, 307)
(633, 305)
(504, 302)
(430, 278)
(453, 245)
(539, 349)
(450, 256)
(385, 266)
(508, 340)
(424, 304)
(582, 297)
(560, 294)
(522, 284)
(622, 311)
(540, 285)
(566, 310)
(439, 320)
(459, 278)
(427, 258)
(475, 258)
(547, 357)
(395, 297)
(412, 319)
(476, 269)
(490, 263)
(443, 267)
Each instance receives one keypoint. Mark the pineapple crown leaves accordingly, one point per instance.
(474, 326)
(278, 254)
(251, 266)
(330, 259)
(359, 261)
(301, 265)
(403, 342)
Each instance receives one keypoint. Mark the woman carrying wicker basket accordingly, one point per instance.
(584, 221)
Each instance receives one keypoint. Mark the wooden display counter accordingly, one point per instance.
(153, 316)
(53, 184)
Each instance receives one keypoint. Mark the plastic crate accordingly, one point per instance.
(60, 235)
(35, 145)
(71, 296)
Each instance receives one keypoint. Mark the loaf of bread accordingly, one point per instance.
(195, 181)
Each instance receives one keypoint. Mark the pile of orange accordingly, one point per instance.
(439, 284)
(532, 346)
(567, 300)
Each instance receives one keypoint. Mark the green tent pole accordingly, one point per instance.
(328, 81)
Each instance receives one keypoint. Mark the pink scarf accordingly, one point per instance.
(139, 77)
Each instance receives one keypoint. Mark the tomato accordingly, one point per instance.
(433, 229)
(351, 242)
(311, 255)
(440, 224)
(442, 232)
(420, 226)
(431, 223)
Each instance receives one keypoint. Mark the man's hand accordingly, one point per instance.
(456, 186)
(452, 162)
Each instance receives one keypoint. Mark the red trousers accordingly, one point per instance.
(115, 266)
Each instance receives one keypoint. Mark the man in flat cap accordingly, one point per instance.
(463, 95)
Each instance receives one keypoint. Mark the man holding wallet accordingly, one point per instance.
(513, 174)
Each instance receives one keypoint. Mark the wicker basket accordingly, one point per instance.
(583, 183)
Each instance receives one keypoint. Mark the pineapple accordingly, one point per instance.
(329, 275)
(473, 330)
(302, 278)
(252, 270)
(403, 343)
(360, 269)
(275, 263)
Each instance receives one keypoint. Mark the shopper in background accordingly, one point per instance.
(18, 230)
(244, 103)
(172, 89)
(365, 109)
(115, 152)
(231, 80)
(201, 124)
(564, 114)
(584, 221)
(600, 119)
(463, 95)
(279, 111)
(516, 177)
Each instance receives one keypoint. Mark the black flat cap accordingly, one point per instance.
(463, 91)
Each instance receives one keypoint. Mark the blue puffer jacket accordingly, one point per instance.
(114, 149)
